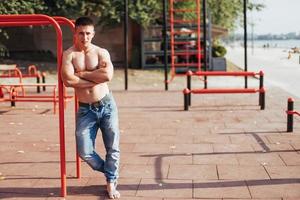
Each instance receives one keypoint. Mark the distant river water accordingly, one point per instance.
(280, 71)
(273, 43)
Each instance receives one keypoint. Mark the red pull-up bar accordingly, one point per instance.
(38, 19)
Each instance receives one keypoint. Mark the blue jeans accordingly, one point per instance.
(90, 117)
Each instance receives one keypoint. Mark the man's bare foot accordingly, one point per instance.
(112, 191)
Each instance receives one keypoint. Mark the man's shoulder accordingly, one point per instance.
(99, 49)
(69, 50)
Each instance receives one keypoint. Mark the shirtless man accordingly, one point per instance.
(87, 68)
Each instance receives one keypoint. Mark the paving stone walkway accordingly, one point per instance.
(224, 147)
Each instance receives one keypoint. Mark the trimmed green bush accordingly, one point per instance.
(218, 51)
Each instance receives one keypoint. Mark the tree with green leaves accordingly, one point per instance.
(22, 7)
(229, 13)
(225, 13)
(108, 12)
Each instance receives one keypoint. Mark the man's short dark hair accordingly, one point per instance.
(84, 21)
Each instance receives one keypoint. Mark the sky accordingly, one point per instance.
(278, 16)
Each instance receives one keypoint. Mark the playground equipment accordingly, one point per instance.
(156, 40)
(188, 91)
(37, 20)
(188, 41)
(17, 93)
(290, 114)
(164, 39)
(152, 44)
(12, 71)
(192, 58)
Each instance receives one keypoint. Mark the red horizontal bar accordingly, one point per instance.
(183, 10)
(6, 22)
(182, 1)
(183, 32)
(23, 76)
(8, 76)
(28, 84)
(187, 53)
(182, 42)
(222, 91)
(35, 23)
(220, 73)
(40, 96)
(34, 100)
(178, 21)
(185, 64)
(293, 113)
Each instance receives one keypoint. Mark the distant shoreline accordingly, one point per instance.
(282, 69)
(286, 44)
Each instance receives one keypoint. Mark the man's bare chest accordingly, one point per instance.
(85, 62)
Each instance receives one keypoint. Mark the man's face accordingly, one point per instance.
(84, 35)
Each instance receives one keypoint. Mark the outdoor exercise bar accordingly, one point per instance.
(188, 91)
(39, 19)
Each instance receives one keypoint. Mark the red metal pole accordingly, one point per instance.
(70, 23)
(78, 160)
(54, 100)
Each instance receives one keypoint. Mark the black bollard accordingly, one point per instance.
(44, 81)
(189, 87)
(261, 99)
(186, 95)
(290, 120)
(13, 98)
(38, 89)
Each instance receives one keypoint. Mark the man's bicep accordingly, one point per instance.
(106, 57)
(108, 64)
(67, 66)
(67, 70)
